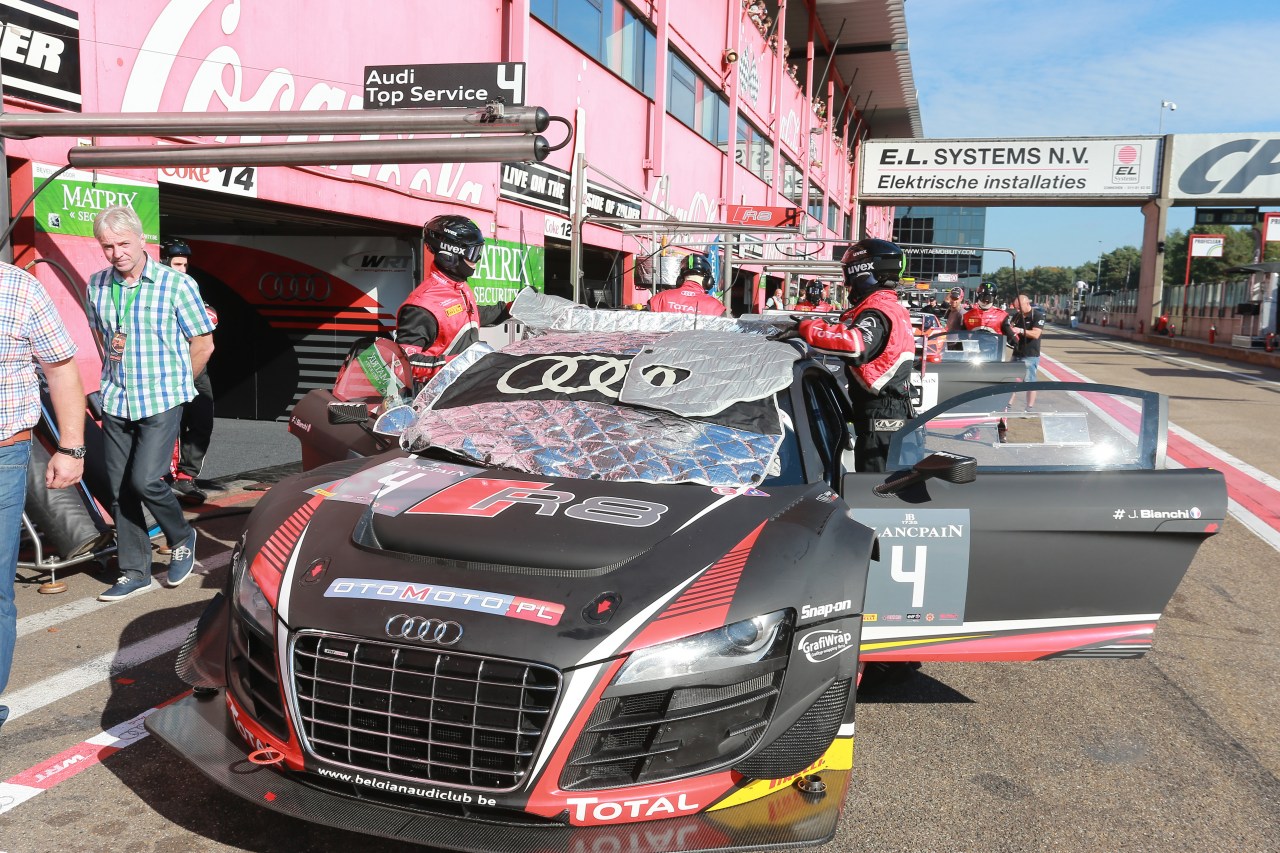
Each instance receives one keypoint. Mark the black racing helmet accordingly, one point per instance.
(696, 265)
(174, 247)
(872, 264)
(986, 294)
(813, 292)
(457, 244)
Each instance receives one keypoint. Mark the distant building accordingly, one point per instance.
(942, 226)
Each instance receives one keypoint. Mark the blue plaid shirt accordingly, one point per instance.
(154, 375)
(30, 328)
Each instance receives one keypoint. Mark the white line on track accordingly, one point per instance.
(101, 668)
(1163, 355)
(66, 612)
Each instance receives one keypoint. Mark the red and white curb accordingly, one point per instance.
(53, 771)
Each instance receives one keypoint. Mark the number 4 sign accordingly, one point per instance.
(922, 576)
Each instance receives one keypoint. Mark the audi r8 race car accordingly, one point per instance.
(612, 587)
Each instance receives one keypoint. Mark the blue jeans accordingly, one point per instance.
(137, 456)
(13, 494)
(1032, 364)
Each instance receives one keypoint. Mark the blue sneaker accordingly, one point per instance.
(183, 560)
(125, 587)
(4, 714)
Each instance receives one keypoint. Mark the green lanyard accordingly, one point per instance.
(115, 300)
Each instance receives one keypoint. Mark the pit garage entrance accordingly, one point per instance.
(293, 288)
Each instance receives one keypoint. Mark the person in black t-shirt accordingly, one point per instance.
(1028, 324)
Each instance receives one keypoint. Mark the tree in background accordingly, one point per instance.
(1239, 250)
(1121, 268)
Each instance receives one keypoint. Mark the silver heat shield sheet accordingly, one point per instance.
(540, 313)
(723, 368)
(581, 440)
(451, 371)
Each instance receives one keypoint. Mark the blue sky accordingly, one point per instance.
(1015, 68)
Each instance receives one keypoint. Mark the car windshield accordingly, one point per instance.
(651, 406)
(974, 346)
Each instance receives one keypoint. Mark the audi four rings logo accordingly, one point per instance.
(295, 287)
(560, 373)
(436, 631)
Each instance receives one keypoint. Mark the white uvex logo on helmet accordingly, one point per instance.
(864, 266)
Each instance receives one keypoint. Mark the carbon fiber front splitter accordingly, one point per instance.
(201, 732)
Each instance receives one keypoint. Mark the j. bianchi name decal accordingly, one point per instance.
(1120, 514)
(511, 606)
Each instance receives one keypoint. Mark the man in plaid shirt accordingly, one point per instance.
(157, 337)
(30, 332)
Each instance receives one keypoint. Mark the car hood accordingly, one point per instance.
(540, 566)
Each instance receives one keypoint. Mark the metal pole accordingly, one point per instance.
(831, 58)
(266, 123)
(579, 214)
(6, 250)
(449, 150)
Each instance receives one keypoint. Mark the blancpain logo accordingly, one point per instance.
(908, 531)
(824, 644)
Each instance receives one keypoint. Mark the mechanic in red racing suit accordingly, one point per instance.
(985, 315)
(875, 340)
(813, 301)
(691, 295)
(441, 318)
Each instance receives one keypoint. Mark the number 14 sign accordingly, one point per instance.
(236, 180)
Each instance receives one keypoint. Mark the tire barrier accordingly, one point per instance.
(59, 514)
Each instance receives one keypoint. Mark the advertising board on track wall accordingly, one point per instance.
(1084, 167)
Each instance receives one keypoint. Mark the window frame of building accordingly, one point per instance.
(708, 114)
(753, 146)
(621, 42)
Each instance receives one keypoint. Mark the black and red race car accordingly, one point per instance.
(614, 587)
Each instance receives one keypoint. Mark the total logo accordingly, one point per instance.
(592, 808)
(248, 736)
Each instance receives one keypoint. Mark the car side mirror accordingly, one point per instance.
(951, 467)
(348, 413)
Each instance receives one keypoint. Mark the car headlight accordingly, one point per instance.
(746, 642)
(249, 601)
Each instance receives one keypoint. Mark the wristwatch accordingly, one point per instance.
(77, 452)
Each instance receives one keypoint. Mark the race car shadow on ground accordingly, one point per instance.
(904, 683)
(171, 800)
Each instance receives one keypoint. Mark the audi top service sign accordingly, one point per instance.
(1226, 167)
(1086, 167)
(40, 53)
(459, 84)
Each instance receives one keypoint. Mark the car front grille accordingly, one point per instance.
(420, 714)
(251, 675)
(653, 737)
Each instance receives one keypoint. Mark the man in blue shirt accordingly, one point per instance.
(157, 337)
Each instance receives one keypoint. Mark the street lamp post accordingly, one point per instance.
(1165, 105)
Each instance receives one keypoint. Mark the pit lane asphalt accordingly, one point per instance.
(1177, 751)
